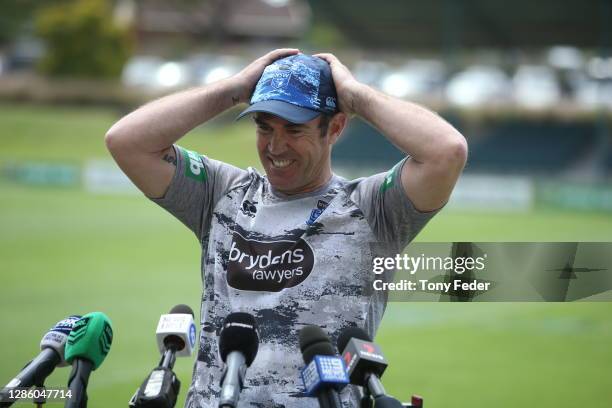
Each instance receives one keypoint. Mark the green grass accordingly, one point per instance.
(541, 225)
(41, 133)
(66, 252)
(63, 251)
(500, 355)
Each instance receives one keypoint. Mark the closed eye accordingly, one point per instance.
(295, 132)
(263, 128)
(261, 125)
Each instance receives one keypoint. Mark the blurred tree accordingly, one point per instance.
(82, 40)
(13, 15)
(325, 36)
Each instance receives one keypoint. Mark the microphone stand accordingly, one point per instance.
(77, 383)
(366, 399)
(170, 384)
(38, 402)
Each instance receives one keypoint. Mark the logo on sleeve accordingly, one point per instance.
(194, 165)
(389, 179)
(268, 266)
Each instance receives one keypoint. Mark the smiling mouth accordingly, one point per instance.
(280, 164)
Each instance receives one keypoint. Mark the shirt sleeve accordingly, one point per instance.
(195, 188)
(389, 211)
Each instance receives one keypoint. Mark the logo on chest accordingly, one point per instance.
(268, 266)
(316, 213)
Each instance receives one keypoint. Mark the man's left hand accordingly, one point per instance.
(345, 82)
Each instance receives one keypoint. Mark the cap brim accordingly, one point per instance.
(285, 110)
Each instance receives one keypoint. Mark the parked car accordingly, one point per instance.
(141, 71)
(479, 85)
(370, 72)
(536, 86)
(418, 78)
(207, 68)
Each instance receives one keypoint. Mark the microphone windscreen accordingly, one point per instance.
(239, 333)
(350, 333)
(181, 309)
(90, 338)
(313, 341)
(322, 348)
(310, 335)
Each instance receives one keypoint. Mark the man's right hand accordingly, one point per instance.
(248, 77)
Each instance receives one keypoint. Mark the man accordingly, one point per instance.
(294, 247)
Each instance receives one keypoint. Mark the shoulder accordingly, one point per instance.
(235, 178)
(362, 187)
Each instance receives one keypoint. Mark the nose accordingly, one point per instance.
(277, 144)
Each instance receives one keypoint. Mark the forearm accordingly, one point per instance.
(156, 126)
(422, 134)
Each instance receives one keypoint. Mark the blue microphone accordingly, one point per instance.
(325, 373)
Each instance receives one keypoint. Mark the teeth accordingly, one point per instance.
(281, 163)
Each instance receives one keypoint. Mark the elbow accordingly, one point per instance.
(456, 152)
(110, 140)
(114, 140)
(450, 156)
(461, 150)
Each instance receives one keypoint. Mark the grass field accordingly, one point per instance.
(63, 251)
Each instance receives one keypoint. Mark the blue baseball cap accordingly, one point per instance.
(297, 88)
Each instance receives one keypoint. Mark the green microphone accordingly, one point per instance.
(88, 344)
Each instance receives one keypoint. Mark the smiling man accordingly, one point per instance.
(295, 246)
(299, 161)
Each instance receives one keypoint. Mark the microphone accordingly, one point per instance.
(324, 373)
(176, 335)
(365, 365)
(88, 345)
(238, 344)
(52, 355)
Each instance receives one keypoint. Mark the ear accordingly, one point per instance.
(336, 126)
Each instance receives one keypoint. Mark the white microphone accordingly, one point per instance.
(56, 337)
(177, 330)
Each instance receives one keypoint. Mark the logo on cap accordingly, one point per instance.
(296, 88)
(281, 80)
(330, 101)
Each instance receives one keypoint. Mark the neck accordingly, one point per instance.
(308, 188)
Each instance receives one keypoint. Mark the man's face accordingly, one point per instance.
(296, 157)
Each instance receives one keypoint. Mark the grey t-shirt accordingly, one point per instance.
(290, 261)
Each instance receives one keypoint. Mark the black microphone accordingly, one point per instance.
(238, 345)
(314, 342)
(365, 364)
(52, 355)
(176, 335)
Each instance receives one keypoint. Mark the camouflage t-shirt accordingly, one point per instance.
(290, 261)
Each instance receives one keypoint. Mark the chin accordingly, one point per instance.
(282, 187)
(279, 181)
